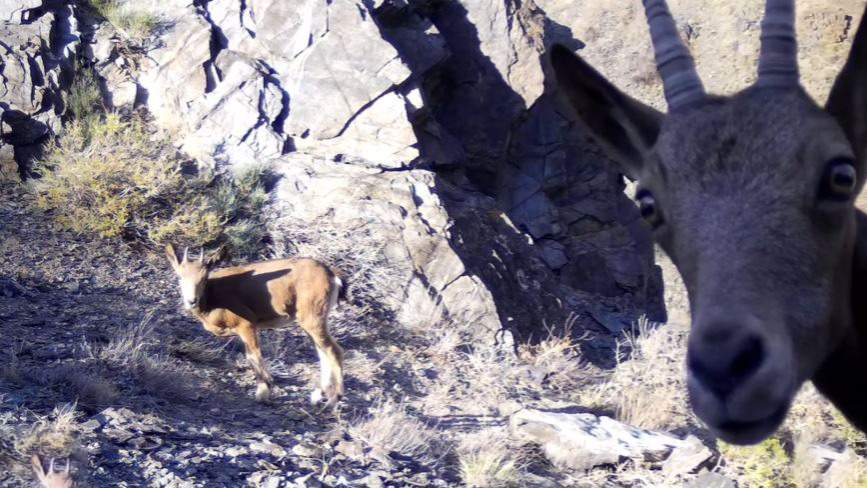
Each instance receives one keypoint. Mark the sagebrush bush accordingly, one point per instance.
(113, 177)
(104, 173)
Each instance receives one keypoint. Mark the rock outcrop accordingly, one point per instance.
(37, 44)
(434, 124)
(583, 440)
(431, 124)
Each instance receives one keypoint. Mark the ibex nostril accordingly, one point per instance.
(749, 359)
(723, 366)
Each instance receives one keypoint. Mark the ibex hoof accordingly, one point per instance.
(320, 398)
(317, 397)
(263, 392)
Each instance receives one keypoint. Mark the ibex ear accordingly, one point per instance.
(38, 469)
(625, 127)
(172, 257)
(848, 99)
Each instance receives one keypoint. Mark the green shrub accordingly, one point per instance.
(114, 178)
(130, 18)
(84, 99)
(103, 175)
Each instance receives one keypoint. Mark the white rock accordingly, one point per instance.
(583, 441)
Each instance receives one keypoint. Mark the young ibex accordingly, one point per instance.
(752, 198)
(243, 299)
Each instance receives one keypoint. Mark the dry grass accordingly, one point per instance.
(133, 350)
(10, 369)
(648, 387)
(90, 389)
(490, 459)
(134, 19)
(199, 350)
(161, 377)
(53, 436)
(389, 427)
(130, 347)
(557, 359)
(116, 177)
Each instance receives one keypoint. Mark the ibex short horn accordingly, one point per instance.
(778, 60)
(676, 66)
(752, 197)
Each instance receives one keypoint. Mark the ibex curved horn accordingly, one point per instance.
(778, 61)
(675, 65)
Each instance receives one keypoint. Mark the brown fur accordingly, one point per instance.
(242, 300)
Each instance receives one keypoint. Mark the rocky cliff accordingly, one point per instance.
(428, 126)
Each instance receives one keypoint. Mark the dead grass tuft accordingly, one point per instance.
(53, 436)
(558, 360)
(164, 378)
(490, 459)
(390, 428)
(10, 369)
(91, 390)
(134, 19)
(130, 347)
(648, 387)
(199, 350)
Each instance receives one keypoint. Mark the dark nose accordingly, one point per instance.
(724, 356)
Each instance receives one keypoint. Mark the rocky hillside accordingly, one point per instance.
(495, 260)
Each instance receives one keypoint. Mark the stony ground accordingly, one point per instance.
(99, 363)
(180, 414)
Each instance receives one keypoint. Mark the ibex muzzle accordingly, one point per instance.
(752, 198)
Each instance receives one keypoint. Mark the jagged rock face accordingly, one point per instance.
(438, 105)
(458, 88)
(37, 40)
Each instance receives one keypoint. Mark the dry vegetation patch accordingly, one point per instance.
(136, 19)
(54, 435)
(114, 176)
(489, 458)
(389, 427)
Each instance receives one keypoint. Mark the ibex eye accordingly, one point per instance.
(647, 207)
(841, 179)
